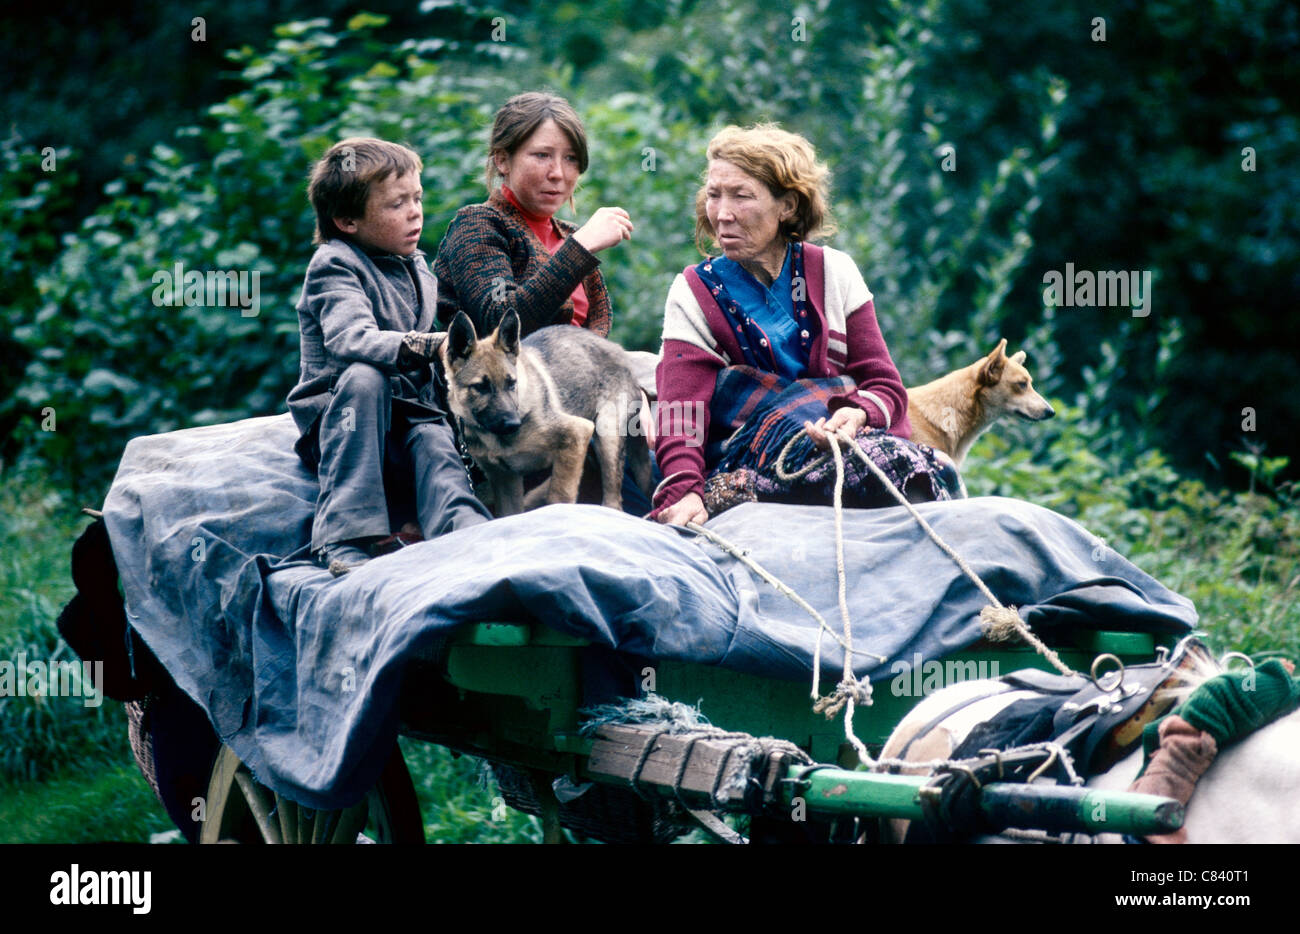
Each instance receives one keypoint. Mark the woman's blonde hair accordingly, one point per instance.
(784, 162)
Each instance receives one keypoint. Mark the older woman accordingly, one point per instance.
(773, 336)
(511, 251)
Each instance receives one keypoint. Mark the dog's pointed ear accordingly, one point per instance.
(991, 371)
(461, 337)
(1018, 357)
(508, 333)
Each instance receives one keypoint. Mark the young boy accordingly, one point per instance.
(365, 396)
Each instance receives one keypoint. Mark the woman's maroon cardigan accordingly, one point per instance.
(688, 371)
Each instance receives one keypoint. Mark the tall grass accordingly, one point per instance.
(460, 801)
(66, 771)
(37, 526)
(42, 734)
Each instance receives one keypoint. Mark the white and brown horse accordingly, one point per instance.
(1249, 794)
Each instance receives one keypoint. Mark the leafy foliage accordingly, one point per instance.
(1177, 136)
(113, 361)
(1235, 555)
(112, 357)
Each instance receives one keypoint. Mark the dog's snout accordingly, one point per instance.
(1035, 413)
(506, 425)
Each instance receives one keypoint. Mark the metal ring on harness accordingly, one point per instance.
(800, 782)
(1092, 672)
(1223, 662)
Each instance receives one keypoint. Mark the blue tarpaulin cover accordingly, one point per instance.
(299, 671)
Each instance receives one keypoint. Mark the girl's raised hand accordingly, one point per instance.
(604, 229)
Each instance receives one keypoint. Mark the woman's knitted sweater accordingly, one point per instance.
(490, 261)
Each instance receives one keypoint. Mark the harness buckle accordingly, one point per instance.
(997, 758)
(1096, 663)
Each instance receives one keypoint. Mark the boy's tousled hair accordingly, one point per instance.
(340, 181)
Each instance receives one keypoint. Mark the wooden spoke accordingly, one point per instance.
(260, 802)
(351, 822)
(287, 812)
(306, 824)
(324, 829)
(240, 810)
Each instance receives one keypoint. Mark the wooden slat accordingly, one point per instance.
(617, 749)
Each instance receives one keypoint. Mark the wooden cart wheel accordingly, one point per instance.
(240, 810)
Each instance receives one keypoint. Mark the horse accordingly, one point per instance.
(1247, 795)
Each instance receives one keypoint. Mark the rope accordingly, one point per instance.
(682, 765)
(1000, 622)
(756, 749)
(850, 691)
(642, 759)
(743, 557)
(1054, 754)
(787, 477)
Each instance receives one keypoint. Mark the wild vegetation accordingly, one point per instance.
(971, 152)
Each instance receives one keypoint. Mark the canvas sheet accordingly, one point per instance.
(300, 672)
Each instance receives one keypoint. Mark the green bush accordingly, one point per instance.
(109, 362)
(35, 190)
(1236, 555)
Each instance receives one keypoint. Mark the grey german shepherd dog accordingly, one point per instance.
(535, 405)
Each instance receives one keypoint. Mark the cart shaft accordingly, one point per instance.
(1053, 808)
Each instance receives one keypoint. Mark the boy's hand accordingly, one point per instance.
(420, 347)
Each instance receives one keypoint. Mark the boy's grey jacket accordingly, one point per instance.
(356, 307)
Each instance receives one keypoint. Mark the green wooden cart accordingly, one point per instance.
(510, 693)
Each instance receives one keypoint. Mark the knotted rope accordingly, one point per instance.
(1000, 623)
(850, 691)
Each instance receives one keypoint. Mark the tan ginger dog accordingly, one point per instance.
(951, 412)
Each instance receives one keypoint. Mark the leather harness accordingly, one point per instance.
(1097, 722)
